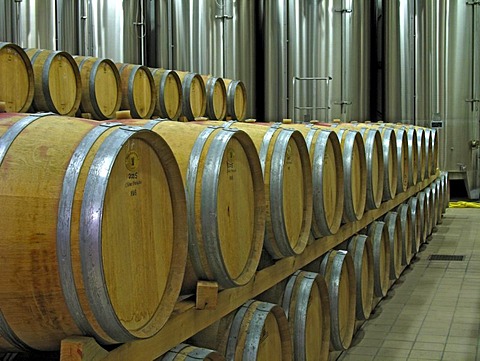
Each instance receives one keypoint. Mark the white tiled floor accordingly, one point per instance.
(432, 312)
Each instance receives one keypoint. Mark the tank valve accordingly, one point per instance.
(474, 143)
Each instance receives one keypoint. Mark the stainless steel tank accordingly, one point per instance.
(44, 24)
(198, 36)
(360, 77)
(461, 88)
(448, 83)
(36, 24)
(399, 61)
(67, 28)
(297, 42)
(316, 60)
(114, 29)
(8, 24)
(159, 42)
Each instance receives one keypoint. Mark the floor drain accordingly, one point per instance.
(445, 257)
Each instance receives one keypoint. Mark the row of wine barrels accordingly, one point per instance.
(346, 281)
(94, 228)
(16, 78)
(213, 97)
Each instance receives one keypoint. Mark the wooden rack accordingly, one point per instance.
(186, 320)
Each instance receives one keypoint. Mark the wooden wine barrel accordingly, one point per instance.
(375, 167)
(287, 175)
(406, 232)
(392, 223)
(428, 210)
(355, 173)
(440, 196)
(306, 305)
(374, 162)
(402, 159)
(138, 90)
(256, 331)
(185, 352)
(432, 138)
(327, 177)
(216, 93)
(236, 99)
(223, 180)
(194, 96)
(360, 247)
(433, 205)
(390, 162)
(417, 220)
(412, 145)
(58, 86)
(101, 87)
(429, 197)
(422, 152)
(378, 234)
(169, 93)
(428, 152)
(423, 211)
(78, 194)
(339, 272)
(446, 191)
(16, 78)
(413, 164)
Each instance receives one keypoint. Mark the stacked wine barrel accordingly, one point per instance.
(106, 224)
